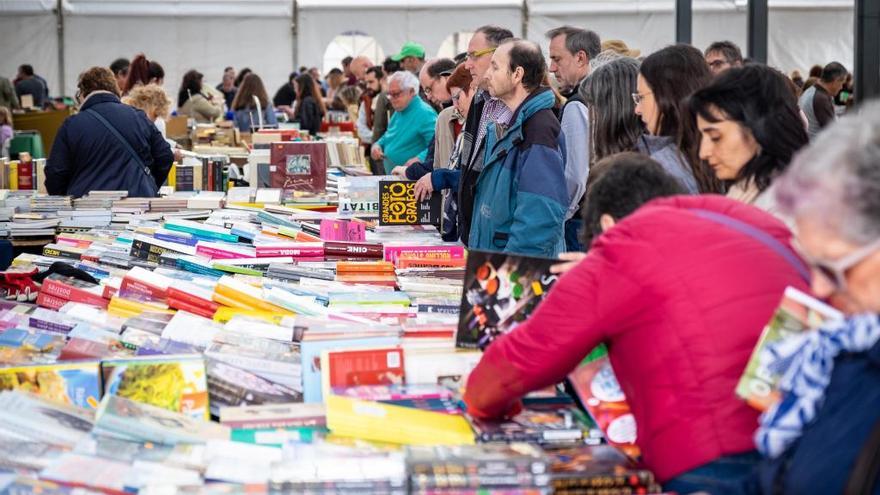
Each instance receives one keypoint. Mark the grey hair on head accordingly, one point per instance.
(406, 80)
(603, 58)
(836, 180)
(607, 91)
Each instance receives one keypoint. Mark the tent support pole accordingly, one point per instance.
(59, 16)
(294, 33)
(757, 27)
(684, 14)
(524, 17)
(866, 74)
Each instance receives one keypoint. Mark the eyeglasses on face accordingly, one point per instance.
(395, 94)
(479, 53)
(637, 98)
(836, 271)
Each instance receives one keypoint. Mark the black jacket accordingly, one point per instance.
(86, 156)
(309, 116)
(471, 166)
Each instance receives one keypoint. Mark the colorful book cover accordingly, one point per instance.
(231, 386)
(597, 390)
(342, 230)
(353, 367)
(311, 360)
(797, 314)
(596, 467)
(500, 292)
(398, 205)
(175, 383)
(545, 424)
(298, 166)
(77, 384)
(504, 467)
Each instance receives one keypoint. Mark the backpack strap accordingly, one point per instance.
(759, 235)
(122, 141)
(863, 477)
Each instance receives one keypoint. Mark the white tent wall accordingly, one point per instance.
(180, 44)
(393, 23)
(28, 35)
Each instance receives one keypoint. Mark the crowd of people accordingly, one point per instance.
(669, 183)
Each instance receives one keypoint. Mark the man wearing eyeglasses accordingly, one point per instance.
(411, 129)
(571, 50)
(521, 198)
(723, 55)
(484, 109)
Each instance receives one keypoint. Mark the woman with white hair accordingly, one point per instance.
(824, 436)
(411, 129)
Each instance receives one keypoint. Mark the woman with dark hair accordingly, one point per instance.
(751, 128)
(614, 126)
(138, 74)
(241, 75)
(665, 79)
(156, 73)
(193, 102)
(245, 107)
(285, 97)
(310, 109)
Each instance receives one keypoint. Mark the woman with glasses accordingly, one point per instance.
(665, 79)
(824, 435)
(750, 128)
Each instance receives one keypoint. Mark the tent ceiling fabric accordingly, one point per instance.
(210, 34)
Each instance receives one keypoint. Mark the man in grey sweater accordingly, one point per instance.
(571, 50)
(817, 102)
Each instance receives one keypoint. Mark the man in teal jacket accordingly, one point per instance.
(521, 198)
(411, 129)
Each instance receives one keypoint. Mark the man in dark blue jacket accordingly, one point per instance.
(107, 146)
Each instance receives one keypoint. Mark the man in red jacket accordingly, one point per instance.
(680, 292)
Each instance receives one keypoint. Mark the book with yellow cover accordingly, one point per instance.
(225, 313)
(73, 384)
(238, 294)
(380, 422)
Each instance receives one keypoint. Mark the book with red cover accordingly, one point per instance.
(142, 285)
(363, 250)
(45, 300)
(191, 299)
(76, 349)
(26, 174)
(71, 289)
(298, 166)
(354, 367)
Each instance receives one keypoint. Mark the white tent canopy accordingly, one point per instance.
(209, 35)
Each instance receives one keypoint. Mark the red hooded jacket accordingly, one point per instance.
(680, 292)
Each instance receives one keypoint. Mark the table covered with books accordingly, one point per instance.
(257, 339)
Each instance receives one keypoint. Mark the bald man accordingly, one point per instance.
(359, 67)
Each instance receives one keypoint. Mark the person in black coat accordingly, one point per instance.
(107, 146)
(310, 109)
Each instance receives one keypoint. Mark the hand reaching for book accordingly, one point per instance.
(424, 188)
(377, 153)
(399, 171)
(571, 260)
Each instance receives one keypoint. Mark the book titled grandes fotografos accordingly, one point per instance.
(298, 166)
(398, 205)
(500, 292)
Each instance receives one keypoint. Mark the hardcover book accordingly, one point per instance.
(500, 292)
(398, 205)
(298, 166)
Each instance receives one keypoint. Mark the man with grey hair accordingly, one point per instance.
(571, 51)
(411, 129)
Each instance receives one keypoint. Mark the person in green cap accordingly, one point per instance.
(411, 57)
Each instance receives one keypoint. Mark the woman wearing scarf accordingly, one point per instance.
(824, 435)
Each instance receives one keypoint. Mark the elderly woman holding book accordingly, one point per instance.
(824, 435)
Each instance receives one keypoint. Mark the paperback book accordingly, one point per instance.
(500, 292)
(398, 205)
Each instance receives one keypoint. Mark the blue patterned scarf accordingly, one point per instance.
(803, 385)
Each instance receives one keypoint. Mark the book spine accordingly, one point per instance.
(392, 253)
(176, 239)
(73, 294)
(276, 423)
(49, 301)
(61, 253)
(192, 308)
(49, 326)
(306, 252)
(219, 254)
(26, 175)
(192, 300)
(355, 249)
